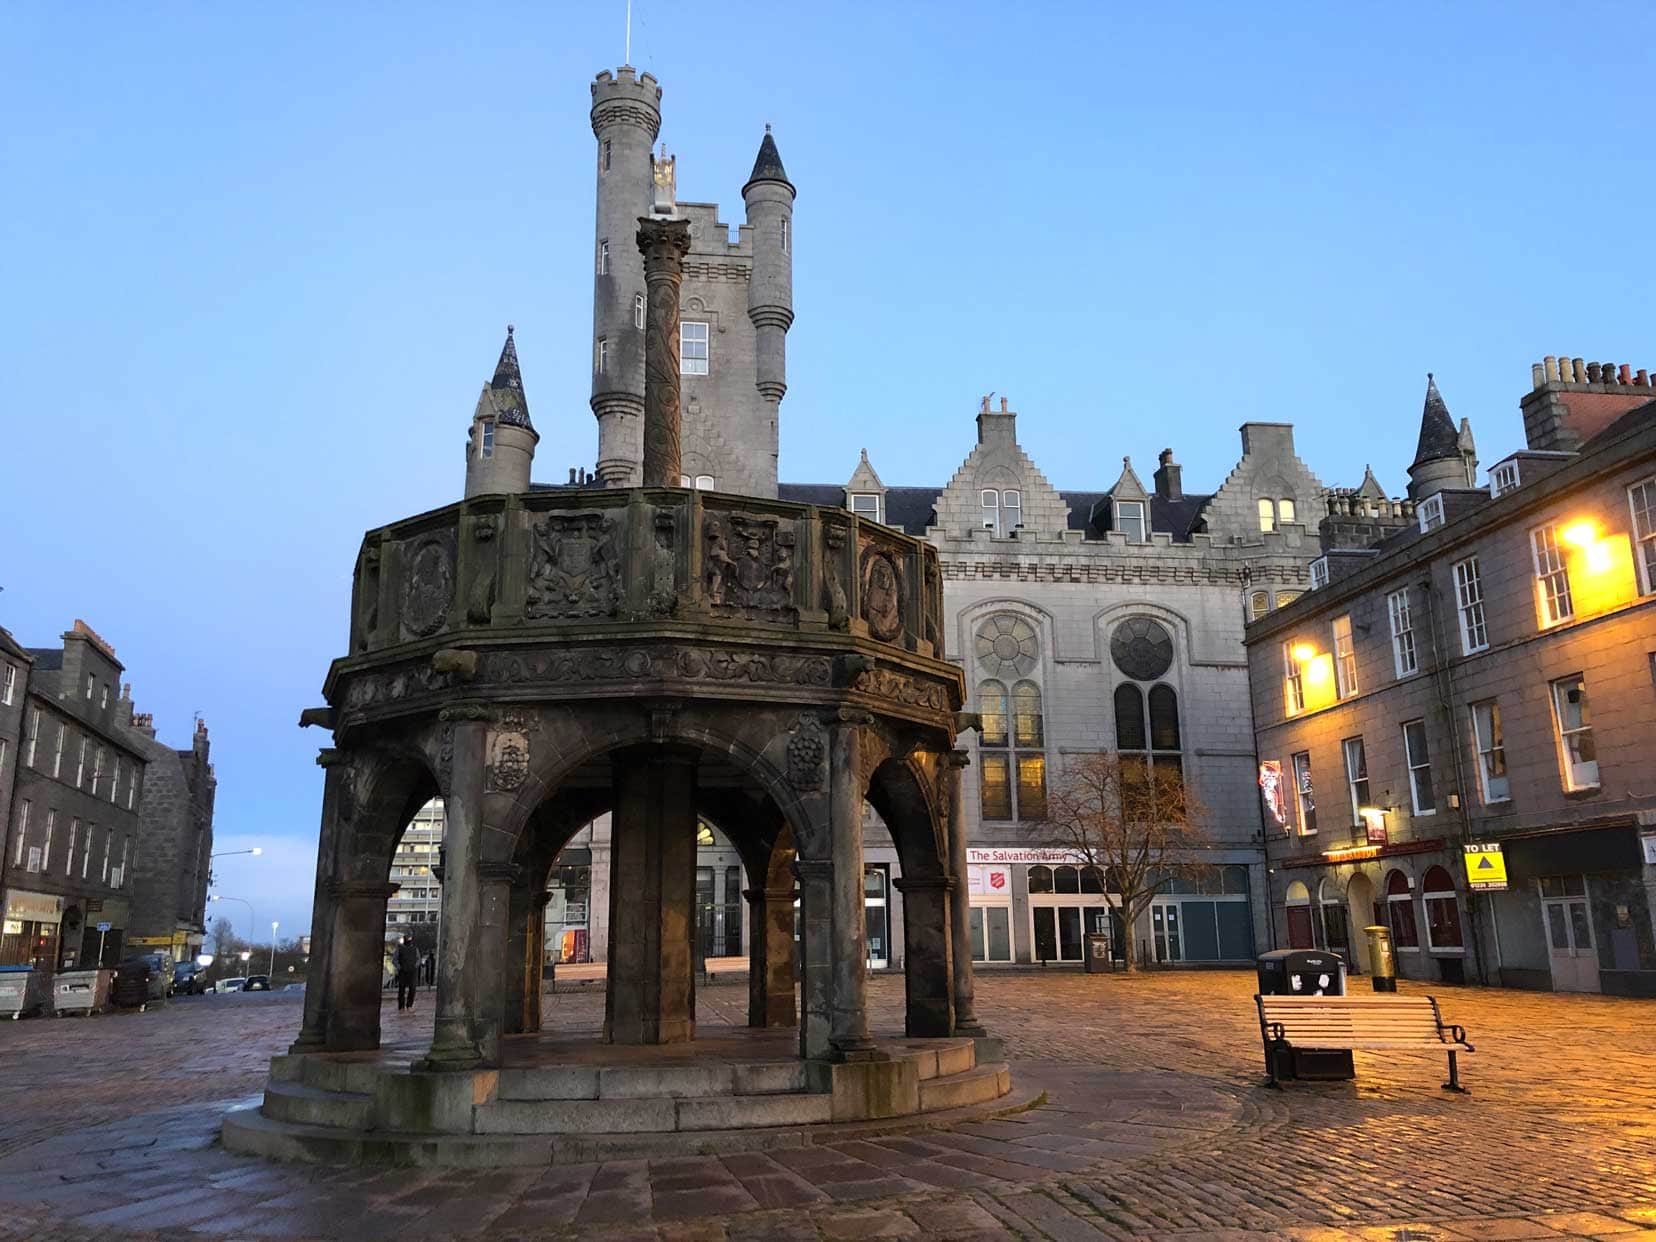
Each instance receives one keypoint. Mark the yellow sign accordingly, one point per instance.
(167, 940)
(1485, 868)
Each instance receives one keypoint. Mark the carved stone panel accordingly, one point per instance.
(508, 760)
(807, 751)
(574, 569)
(835, 601)
(663, 586)
(427, 584)
(633, 664)
(895, 687)
(748, 566)
(882, 594)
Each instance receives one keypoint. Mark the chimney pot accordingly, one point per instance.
(1624, 374)
(1551, 364)
(1580, 365)
(1003, 405)
(1642, 379)
(1593, 370)
(1538, 375)
(572, 474)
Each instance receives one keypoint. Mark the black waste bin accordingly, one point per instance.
(1306, 972)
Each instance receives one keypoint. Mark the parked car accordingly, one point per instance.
(142, 980)
(256, 983)
(188, 979)
(229, 985)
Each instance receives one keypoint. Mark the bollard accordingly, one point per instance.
(1382, 961)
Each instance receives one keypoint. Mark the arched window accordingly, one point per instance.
(1267, 515)
(1285, 511)
(994, 759)
(1148, 740)
(1129, 714)
(1164, 719)
(1040, 879)
(1066, 880)
(1331, 906)
(1026, 714)
(1298, 906)
(1259, 603)
(1400, 911)
(1443, 925)
(1011, 758)
(1092, 880)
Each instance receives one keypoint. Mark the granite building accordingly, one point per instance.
(171, 866)
(1457, 725)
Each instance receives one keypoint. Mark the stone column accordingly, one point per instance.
(534, 963)
(664, 244)
(816, 957)
(319, 979)
(650, 997)
(356, 963)
(454, 1040)
(960, 912)
(928, 958)
(489, 967)
(848, 1016)
(519, 983)
(770, 957)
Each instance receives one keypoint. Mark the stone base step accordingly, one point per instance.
(578, 1082)
(977, 1085)
(659, 1115)
(311, 1106)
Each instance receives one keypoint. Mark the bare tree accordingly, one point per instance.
(1135, 822)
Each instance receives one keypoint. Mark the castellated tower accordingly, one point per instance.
(626, 117)
(501, 446)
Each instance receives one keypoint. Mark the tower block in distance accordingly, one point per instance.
(626, 117)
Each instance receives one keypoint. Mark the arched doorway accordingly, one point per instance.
(1360, 904)
(1298, 911)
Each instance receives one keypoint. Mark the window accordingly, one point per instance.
(1012, 741)
(866, 504)
(704, 482)
(1303, 794)
(1297, 908)
(787, 230)
(1267, 515)
(80, 766)
(1130, 520)
(46, 846)
(8, 686)
(86, 854)
(1641, 497)
(990, 500)
(607, 153)
(638, 311)
(1469, 605)
(693, 356)
(1153, 748)
(1357, 777)
(69, 855)
(1575, 733)
(1400, 911)
(97, 769)
(103, 697)
(57, 759)
(1284, 598)
(1503, 479)
(103, 871)
(603, 257)
(1319, 572)
(1552, 578)
(1293, 680)
(91, 682)
(996, 506)
(1345, 657)
(1012, 508)
(1430, 513)
(600, 356)
(22, 830)
(34, 735)
(1259, 603)
(1285, 512)
(1443, 925)
(488, 437)
(115, 781)
(132, 788)
(1402, 632)
(1486, 737)
(1420, 768)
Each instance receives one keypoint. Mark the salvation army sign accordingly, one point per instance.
(1024, 856)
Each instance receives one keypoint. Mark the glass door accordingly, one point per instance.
(878, 921)
(1569, 922)
(1164, 931)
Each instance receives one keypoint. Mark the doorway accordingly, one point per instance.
(1569, 921)
(1360, 903)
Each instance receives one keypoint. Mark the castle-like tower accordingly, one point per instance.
(735, 305)
(500, 448)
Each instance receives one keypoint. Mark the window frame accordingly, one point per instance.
(1504, 477)
(1488, 742)
(1305, 793)
(638, 311)
(600, 356)
(1402, 636)
(603, 256)
(1405, 901)
(1142, 524)
(1293, 682)
(1429, 513)
(786, 233)
(1319, 573)
(1554, 600)
(1424, 766)
(1431, 896)
(34, 736)
(1644, 542)
(486, 438)
(10, 687)
(989, 504)
(1564, 736)
(688, 360)
(1353, 779)
(1469, 606)
(1266, 509)
(876, 515)
(1345, 658)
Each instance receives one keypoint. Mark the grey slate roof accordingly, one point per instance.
(46, 659)
(1438, 437)
(507, 387)
(911, 509)
(768, 166)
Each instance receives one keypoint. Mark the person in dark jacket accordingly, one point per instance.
(408, 972)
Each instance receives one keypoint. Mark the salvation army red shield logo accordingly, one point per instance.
(997, 879)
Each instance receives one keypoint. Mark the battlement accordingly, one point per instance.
(622, 98)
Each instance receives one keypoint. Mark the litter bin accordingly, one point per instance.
(1383, 962)
(23, 990)
(1099, 960)
(1306, 972)
(82, 991)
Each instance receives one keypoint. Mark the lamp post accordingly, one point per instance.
(257, 849)
(251, 921)
(273, 926)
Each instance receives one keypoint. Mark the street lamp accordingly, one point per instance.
(250, 917)
(273, 926)
(227, 853)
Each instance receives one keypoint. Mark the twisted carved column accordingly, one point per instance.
(664, 244)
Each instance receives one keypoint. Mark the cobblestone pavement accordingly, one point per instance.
(1155, 1127)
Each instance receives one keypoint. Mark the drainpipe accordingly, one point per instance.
(1443, 682)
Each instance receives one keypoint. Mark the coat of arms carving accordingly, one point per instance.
(508, 760)
(573, 570)
(749, 564)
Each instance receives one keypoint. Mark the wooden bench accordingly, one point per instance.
(1366, 1023)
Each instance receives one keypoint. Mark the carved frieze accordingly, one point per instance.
(624, 664)
(428, 585)
(895, 687)
(574, 569)
(748, 566)
(882, 594)
(807, 752)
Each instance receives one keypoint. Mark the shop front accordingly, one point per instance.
(31, 930)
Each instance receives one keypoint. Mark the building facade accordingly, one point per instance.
(172, 863)
(1456, 726)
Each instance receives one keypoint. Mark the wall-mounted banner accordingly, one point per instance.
(1270, 785)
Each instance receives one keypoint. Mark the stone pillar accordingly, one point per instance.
(520, 981)
(848, 1015)
(664, 244)
(770, 957)
(816, 966)
(650, 997)
(928, 958)
(489, 967)
(960, 912)
(313, 1029)
(356, 963)
(454, 1043)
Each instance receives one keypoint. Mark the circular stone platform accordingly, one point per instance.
(567, 1098)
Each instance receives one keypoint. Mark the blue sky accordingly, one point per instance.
(257, 263)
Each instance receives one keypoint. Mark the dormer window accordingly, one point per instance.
(488, 437)
(1430, 513)
(1319, 572)
(1130, 519)
(1002, 510)
(866, 504)
(1503, 479)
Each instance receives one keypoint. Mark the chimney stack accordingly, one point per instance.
(1169, 477)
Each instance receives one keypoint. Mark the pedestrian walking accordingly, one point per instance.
(408, 973)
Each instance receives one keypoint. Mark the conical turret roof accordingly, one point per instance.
(1439, 437)
(506, 388)
(768, 166)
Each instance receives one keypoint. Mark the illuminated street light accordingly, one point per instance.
(251, 919)
(256, 850)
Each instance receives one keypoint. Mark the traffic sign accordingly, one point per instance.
(1485, 867)
(103, 927)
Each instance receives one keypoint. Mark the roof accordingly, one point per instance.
(506, 388)
(1438, 437)
(913, 509)
(46, 659)
(768, 165)
(1636, 418)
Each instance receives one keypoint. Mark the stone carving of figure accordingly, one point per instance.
(882, 598)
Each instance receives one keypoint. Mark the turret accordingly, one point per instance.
(1444, 457)
(770, 197)
(626, 117)
(501, 446)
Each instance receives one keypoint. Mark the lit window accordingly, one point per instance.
(1130, 520)
(1552, 577)
(693, 356)
(1345, 657)
(1491, 747)
(1443, 925)
(1642, 498)
(1469, 605)
(1421, 793)
(1319, 572)
(991, 510)
(1285, 512)
(1575, 733)
(488, 437)
(603, 258)
(1284, 598)
(704, 482)
(600, 356)
(638, 310)
(866, 504)
(1357, 778)
(1293, 681)
(1503, 478)
(1303, 794)
(1430, 513)
(1267, 515)
(1402, 632)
